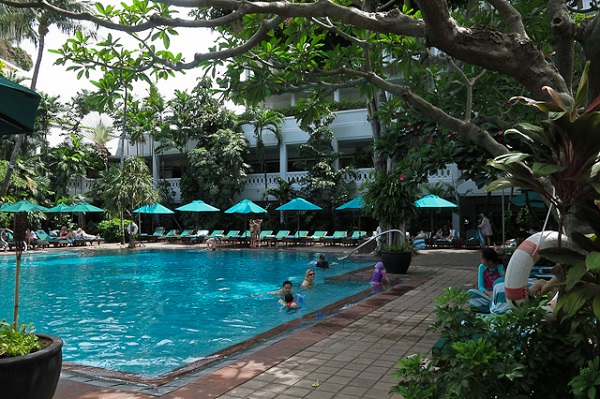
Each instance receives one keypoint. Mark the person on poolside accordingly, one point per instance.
(322, 262)
(379, 275)
(309, 278)
(82, 234)
(488, 272)
(63, 232)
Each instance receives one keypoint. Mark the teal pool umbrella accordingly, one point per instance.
(535, 200)
(154, 209)
(353, 205)
(18, 107)
(60, 208)
(83, 207)
(23, 206)
(197, 206)
(246, 206)
(4, 205)
(19, 236)
(434, 202)
(299, 204)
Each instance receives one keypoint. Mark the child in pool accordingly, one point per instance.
(288, 302)
(379, 275)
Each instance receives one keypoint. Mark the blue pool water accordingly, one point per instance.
(151, 311)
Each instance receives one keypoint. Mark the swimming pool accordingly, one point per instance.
(151, 311)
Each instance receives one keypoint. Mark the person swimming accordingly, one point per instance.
(288, 303)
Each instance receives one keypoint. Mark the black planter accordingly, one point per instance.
(32, 376)
(396, 262)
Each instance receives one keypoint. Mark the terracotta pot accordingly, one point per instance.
(32, 376)
(396, 262)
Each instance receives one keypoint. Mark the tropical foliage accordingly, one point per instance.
(520, 354)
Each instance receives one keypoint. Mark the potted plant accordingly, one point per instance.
(30, 363)
(390, 197)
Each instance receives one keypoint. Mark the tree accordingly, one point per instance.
(124, 189)
(406, 53)
(264, 120)
(18, 24)
(217, 169)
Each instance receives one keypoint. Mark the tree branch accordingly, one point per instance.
(510, 16)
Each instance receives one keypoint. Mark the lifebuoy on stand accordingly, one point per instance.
(517, 273)
(132, 229)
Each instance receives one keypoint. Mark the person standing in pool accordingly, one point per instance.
(309, 278)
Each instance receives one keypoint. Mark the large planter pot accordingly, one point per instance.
(396, 262)
(32, 376)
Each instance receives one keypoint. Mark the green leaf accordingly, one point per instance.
(592, 261)
(544, 169)
(582, 88)
(575, 274)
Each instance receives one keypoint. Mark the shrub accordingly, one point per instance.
(521, 354)
(111, 229)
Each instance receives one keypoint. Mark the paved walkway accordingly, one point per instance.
(349, 355)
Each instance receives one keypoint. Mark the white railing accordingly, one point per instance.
(255, 184)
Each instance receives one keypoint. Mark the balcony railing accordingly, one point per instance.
(255, 184)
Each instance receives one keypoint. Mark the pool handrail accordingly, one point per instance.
(343, 258)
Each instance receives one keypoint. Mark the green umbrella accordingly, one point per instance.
(23, 206)
(299, 204)
(197, 206)
(20, 227)
(60, 208)
(352, 205)
(154, 209)
(246, 206)
(433, 201)
(83, 207)
(535, 200)
(18, 106)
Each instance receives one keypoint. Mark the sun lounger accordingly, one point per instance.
(197, 238)
(152, 237)
(317, 236)
(171, 233)
(473, 239)
(274, 239)
(296, 238)
(356, 238)
(178, 237)
(336, 238)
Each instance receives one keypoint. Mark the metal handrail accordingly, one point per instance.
(343, 258)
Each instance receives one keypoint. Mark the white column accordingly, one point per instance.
(337, 96)
(336, 163)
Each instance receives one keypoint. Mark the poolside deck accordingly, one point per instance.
(350, 354)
